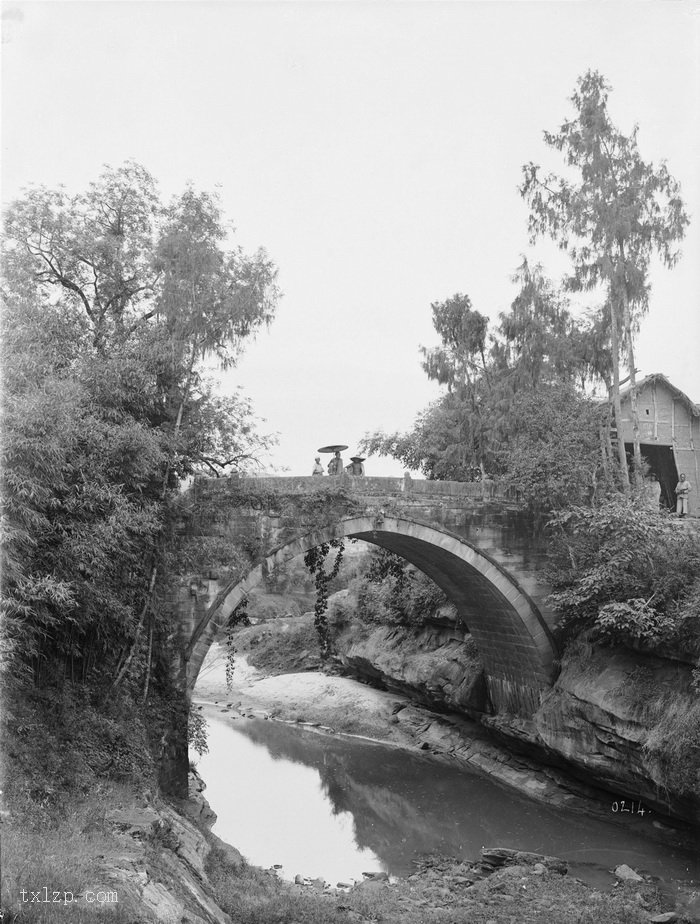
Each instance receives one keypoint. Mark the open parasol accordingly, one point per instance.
(335, 448)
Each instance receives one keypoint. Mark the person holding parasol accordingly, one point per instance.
(335, 466)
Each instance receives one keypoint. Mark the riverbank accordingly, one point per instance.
(524, 890)
(442, 890)
(340, 705)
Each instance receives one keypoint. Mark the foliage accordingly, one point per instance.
(621, 567)
(430, 447)
(392, 592)
(617, 212)
(288, 650)
(239, 617)
(552, 457)
(502, 386)
(460, 363)
(314, 561)
(115, 306)
(65, 853)
(59, 745)
(197, 731)
(632, 620)
(696, 678)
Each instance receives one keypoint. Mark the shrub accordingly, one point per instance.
(607, 560)
(277, 652)
(635, 619)
(393, 592)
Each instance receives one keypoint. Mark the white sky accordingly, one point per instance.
(374, 149)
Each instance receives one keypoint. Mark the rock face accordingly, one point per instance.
(436, 666)
(599, 715)
(161, 866)
(595, 722)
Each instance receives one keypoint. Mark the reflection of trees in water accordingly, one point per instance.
(405, 804)
(401, 804)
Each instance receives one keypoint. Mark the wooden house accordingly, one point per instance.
(669, 435)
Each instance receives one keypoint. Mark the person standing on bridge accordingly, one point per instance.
(335, 466)
(682, 492)
(318, 468)
(355, 467)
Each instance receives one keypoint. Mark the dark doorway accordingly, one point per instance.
(662, 463)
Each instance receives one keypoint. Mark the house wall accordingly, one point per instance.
(667, 421)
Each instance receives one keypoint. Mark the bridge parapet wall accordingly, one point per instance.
(296, 502)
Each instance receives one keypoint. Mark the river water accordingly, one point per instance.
(331, 807)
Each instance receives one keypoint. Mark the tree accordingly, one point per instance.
(93, 248)
(430, 447)
(611, 219)
(532, 361)
(540, 342)
(115, 307)
(552, 455)
(460, 363)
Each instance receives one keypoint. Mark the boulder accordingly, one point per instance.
(627, 874)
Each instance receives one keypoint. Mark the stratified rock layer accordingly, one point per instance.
(595, 722)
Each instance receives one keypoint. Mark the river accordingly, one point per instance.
(333, 807)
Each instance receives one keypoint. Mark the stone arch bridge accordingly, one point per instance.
(478, 547)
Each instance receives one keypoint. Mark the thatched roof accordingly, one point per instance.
(656, 378)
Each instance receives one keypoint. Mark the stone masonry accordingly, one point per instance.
(476, 546)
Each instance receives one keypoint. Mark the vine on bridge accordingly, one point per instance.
(314, 560)
(239, 617)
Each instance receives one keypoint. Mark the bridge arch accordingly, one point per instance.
(514, 640)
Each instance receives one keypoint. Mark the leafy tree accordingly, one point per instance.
(115, 304)
(552, 456)
(94, 249)
(460, 363)
(510, 408)
(540, 342)
(431, 446)
(74, 502)
(611, 219)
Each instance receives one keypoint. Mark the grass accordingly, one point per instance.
(63, 855)
(675, 741)
(65, 765)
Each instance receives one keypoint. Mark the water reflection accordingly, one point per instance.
(333, 807)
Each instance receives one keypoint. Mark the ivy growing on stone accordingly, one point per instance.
(315, 560)
(239, 617)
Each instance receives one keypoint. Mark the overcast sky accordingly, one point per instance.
(373, 149)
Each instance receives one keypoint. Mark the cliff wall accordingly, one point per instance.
(624, 721)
